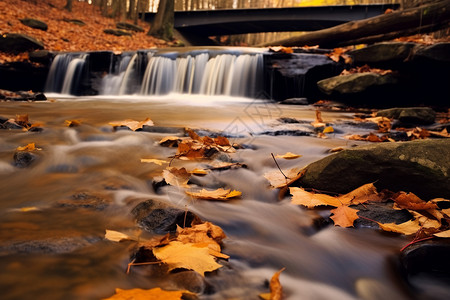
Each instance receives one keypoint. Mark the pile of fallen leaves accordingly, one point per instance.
(67, 36)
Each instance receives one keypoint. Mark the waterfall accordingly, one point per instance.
(66, 73)
(153, 73)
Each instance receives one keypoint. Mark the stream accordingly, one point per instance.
(51, 248)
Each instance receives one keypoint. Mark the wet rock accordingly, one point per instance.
(10, 124)
(23, 159)
(117, 32)
(21, 96)
(17, 42)
(354, 83)
(41, 56)
(439, 52)
(86, 200)
(295, 101)
(286, 132)
(187, 280)
(426, 267)
(410, 115)
(380, 212)
(129, 26)
(383, 54)
(161, 218)
(420, 166)
(34, 23)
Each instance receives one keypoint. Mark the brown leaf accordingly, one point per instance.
(288, 155)
(276, 290)
(22, 120)
(72, 123)
(408, 228)
(411, 201)
(367, 192)
(177, 177)
(277, 179)
(344, 216)
(132, 124)
(170, 141)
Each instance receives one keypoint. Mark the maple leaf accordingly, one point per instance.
(191, 149)
(408, 228)
(186, 256)
(219, 194)
(276, 290)
(140, 294)
(311, 200)
(288, 155)
(344, 216)
(366, 192)
(132, 124)
(277, 179)
(411, 201)
(177, 177)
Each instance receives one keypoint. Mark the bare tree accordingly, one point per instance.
(68, 5)
(162, 25)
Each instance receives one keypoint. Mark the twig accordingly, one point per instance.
(279, 166)
(416, 241)
(132, 263)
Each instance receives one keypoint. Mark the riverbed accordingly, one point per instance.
(51, 248)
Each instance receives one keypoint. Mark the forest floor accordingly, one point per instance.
(65, 36)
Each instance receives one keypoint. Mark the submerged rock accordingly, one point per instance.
(159, 217)
(23, 159)
(420, 166)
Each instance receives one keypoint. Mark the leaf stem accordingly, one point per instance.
(278, 166)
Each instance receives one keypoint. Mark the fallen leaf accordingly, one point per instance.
(132, 124)
(276, 290)
(186, 256)
(159, 162)
(277, 179)
(311, 200)
(72, 123)
(170, 141)
(411, 201)
(140, 294)
(29, 147)
(22, 120)
(318, 122)
(408, 228)
(366, 192)
(219, 194)
(116, 236)
(443, 234)
(177, 177)
(288, 155)
(199, 172)
(222, 141)
(344, 216)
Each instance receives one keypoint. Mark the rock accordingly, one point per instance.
(129, 26)
(23, 159)
(295, 101)
(439, 52)
(187, 280)
(75, 21)
(33, 23)
(354, 83)
(382, 213)
(21, 96)
(420, 166)
(117, 32)
(161, 218)
(41, 56)
(410, 115)
(86, 200)
(383, 54)
(17, 42)
(427, 268)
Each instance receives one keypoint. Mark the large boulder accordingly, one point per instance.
(420, 166)
(383, 54)
(354, 83)
(410, 115)
(17, 42)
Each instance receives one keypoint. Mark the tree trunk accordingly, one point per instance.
(421, 19)
(68, 5)
(162, 25)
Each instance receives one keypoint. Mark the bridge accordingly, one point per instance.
(195, 25)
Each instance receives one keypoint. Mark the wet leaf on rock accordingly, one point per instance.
(132, 124)
(219, 194)
(177, 177)
(140, 294)
(344, 216)
(28, 147)
(288, 155)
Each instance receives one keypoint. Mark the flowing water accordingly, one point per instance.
(87, 178)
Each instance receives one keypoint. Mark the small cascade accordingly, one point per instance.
(66, 73)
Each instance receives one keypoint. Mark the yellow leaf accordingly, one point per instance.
(116, 236)
(29, 147)
(288, 155)
(443, 234)
(277, 179)
(219, 194)
(154, 161)
(139, 294)
(310, 200)
(344, 216)
(72, 123)
(276, 290)
(328, 129)
(367, 192)
(186, 256)
(199, 172)
(409, 227)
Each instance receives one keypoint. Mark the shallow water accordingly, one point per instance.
(57, 250)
